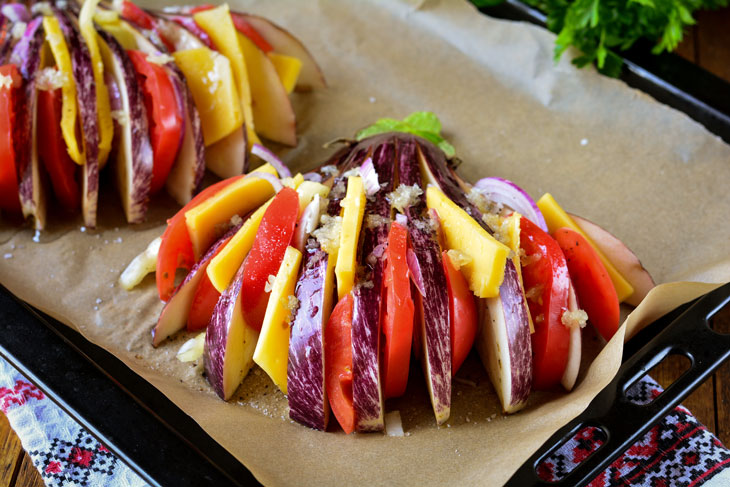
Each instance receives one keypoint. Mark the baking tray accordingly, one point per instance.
(166, 447)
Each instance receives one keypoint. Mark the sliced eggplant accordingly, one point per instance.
(134, 159)
(570, 375)
(86, 96)
(229, 342)
(229, 156)
(186, 176)
(367, 390)
(26, 54)
(503, 342)
(283, 42)
(305, 373)
(435, 331)
(174, 315)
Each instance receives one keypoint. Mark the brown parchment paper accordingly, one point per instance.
(649, 174)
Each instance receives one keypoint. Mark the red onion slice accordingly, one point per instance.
(369, 177)
(509, 194)
(275, 182)
(415, 271)
(260, 151)
(16, 12)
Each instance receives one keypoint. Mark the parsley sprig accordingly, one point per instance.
(601, 28)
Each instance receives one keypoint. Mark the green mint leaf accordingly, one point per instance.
(423, 124)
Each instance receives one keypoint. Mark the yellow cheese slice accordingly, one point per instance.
(556, 217)
(272, 349)
(485, 272)
(225, 265)
(217, 23)
(91, 38)
(211, 82)
(288, 69)
(59, 49)
(353, 208)
(238, 198)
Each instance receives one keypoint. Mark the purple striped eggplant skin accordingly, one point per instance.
(134, 160)
(307, 393)
(503, 342)
(186, 176)
(86, 97)
(174, 315)
(26, 54)
(435, 327)
(367, 389)
(229, 342)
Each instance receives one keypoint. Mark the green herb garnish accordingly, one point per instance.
(423, 124)
(601, 28)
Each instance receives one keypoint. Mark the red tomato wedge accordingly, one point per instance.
(338, 363)
(136, 15)
(9, 197)
(176, 249)
(53, 153)
(399, 312)
(267, 251)
(205, 298)
(546, 278)
(163, 113)
(462, 314)
(241, 26)
(596, 293)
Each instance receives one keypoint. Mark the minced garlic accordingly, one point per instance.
(160, 59)
(404, 196)
(49, 79)
(499, 226)
(6, 81)
(292, 304)
(526, 260)
(328, 235)
(373, 221)
(573, 319)
(269, 283)
(534, 294)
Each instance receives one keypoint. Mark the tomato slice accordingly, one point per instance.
(596, 293)
(176, 249)
(338, 363)
(53, 153)
(267, 251)
(205, 298)
(546, 279)
(163, 113)
(462, 314)
(399, 312)
(136, 15)
(9, 195)
(241, 26)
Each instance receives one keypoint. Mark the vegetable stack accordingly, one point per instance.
(159, 96)
(332, 280)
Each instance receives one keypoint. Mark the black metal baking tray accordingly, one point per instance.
(166, 447)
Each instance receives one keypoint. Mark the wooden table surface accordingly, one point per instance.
(706, 44)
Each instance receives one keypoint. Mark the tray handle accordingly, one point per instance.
(624, 422)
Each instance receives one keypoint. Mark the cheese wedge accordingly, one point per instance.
(272, 349)
(217, 23)
(556, 217)
(288, 69)
(59, 49)
(353, 208)
(238, 198)
(485, 271)
(211, 82)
